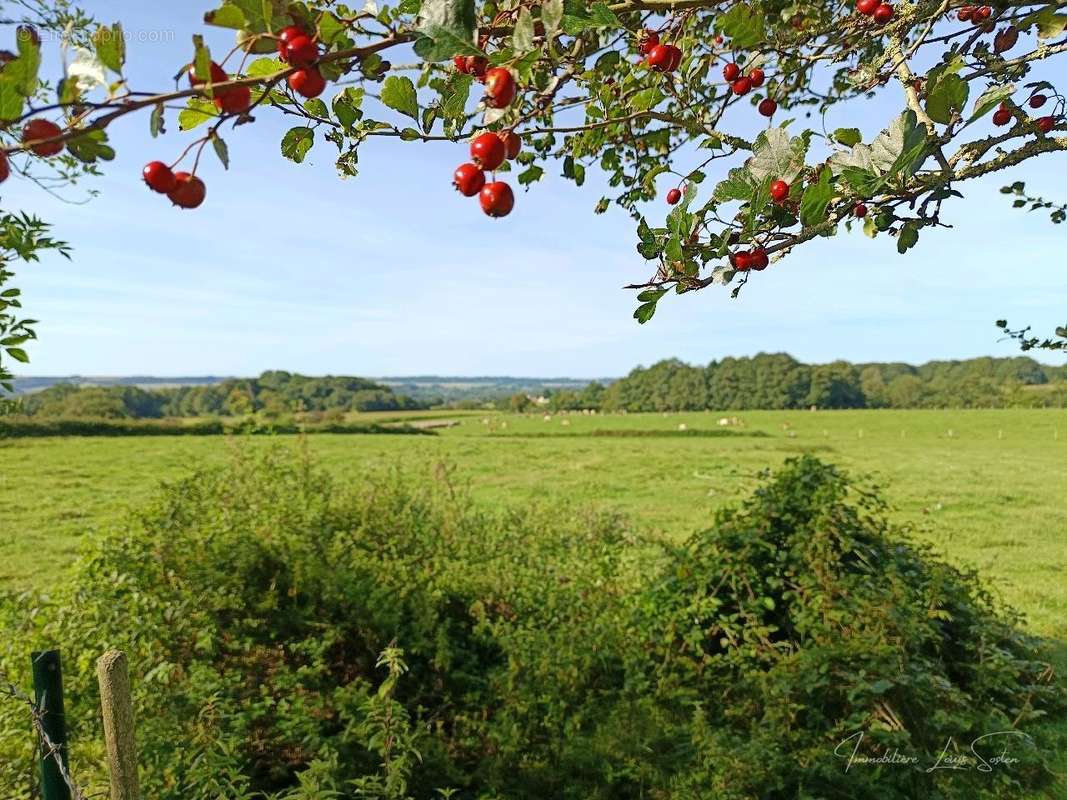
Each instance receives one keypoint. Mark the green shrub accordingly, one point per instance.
(22, 427)
(534, 653)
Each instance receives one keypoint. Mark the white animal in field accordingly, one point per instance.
(682, 426)
(566, 422)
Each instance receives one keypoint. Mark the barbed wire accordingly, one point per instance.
(48, 748)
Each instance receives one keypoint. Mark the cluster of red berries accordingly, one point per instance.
(1003, 116)
(36, 130)
(975, 14)
(744, 260)
(183, 189)
(298, 48)
(488, 151)
(743, 84)
(875, 9)
(234, 100)
(659, 57)
(500, 88)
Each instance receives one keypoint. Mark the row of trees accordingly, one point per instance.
(777, 380)
(273, 394)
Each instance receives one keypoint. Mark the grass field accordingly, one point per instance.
(987, 488)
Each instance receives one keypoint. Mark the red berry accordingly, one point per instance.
(982, 13)
(512, 143)
(1001, 116)
(468, 179)
(477, 65)
(759, 259)
(1044, 124)
(661, 57)
(742, 260)
(5, 167)
(767, 107)
(755, 77)
(307, 82)
(159, 177)
(287, 35)
(676, 58)
(860, 210)
(965, 13)
(234, 101)
(460, 63)
(718, 39)
(647, 40)
(673, 196)
(218, 75)
(779, 191)
(499, 88)
(301, 51)
(488, 151)
(497, 199)
(883, 13)
(190, 191)
(731, 72)
(741, 86)
(867, 7)
(42, 129)
(1037, 101)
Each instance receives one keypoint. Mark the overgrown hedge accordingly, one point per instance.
(23, 427)
(547, 652)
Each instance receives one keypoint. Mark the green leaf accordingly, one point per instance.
(330, 28)
(91, 147)
(522, 38)
(744, 24)
(454, 95)
(907, 238)
(11, 98)
(530, 174)
(990, 99)
(776, 155)
(645, 312)
(18, 354)
(447, 28)
(110, 44)
(346, 106)
(815, 200)
(849, 137)
(262, 67)
(738, 185)
(156, 120)
(24, 69)
(227, 16)
(946, 98)
(296, 143)
(552, 16)
(198, 112)
(410, 135)
(399, 94)
(221, 150)
(603, 17)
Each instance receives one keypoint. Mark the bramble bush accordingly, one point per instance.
(295, 638)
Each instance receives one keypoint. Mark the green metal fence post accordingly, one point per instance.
(48, 695)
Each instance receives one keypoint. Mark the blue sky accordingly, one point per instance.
(289, 267)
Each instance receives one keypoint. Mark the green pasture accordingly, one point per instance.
(987, 488)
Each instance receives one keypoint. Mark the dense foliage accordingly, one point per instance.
(530, 654)
(777, 380)
(272, 395)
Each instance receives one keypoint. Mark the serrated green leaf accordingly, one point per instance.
(454, 95)
(90, 147)
(330, 28)
(849, 137)
(530, 174)
(522, 37)
(946, 98)
(744, 24)
(262, 67)
(399, 94)
(198, 112)
(297, 142)
(816, 199)
(992, 97)
(552, 16)
(11, 98)
(227, 16)
(776, 155)
(110, 44)
(221, 150)
(645, 312)
(907, 238)
(738, 185)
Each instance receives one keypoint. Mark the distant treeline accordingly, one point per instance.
(777, 380)
(770, 381)
(273, 395)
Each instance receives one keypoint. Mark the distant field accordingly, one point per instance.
(988, 488)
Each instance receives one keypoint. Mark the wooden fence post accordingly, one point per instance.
(116, 705)
(48, 697)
